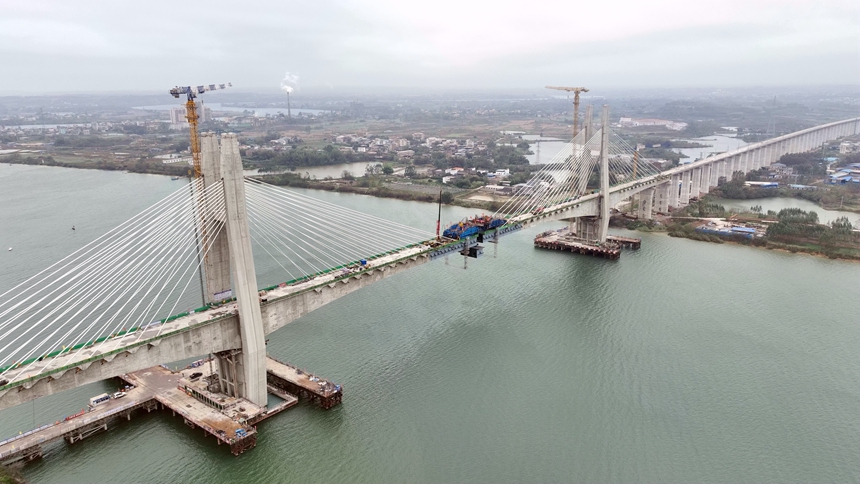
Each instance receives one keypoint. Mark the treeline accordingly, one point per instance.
(805, 163)
(88, 141)
(267, 160)
(795, 223)
(702, 208)
(832, 197)
(139, 166)
(364, 187)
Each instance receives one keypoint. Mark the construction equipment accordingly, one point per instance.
(191, 116)
(575, 91)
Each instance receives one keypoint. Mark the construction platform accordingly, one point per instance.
(285, 377)
(187, 393)
(567, 241)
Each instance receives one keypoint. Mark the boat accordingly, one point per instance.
(175, 178)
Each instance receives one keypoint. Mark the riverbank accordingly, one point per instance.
(10, 475)
(828, 197)
(791, 230)
(379, 187)
(139, 166)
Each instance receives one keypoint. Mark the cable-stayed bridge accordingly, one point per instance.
(116, 305)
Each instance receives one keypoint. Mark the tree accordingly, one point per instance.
(372, 169)
(387, 169)
(462, 182)
(447, 197)
(346, 175)
(410, 171)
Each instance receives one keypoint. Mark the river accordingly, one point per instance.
(680, 362)
(715, 144)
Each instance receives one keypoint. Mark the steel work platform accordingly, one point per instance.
(188, 393)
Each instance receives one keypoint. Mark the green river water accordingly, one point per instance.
(681, 362)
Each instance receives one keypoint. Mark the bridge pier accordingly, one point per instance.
(661, 197)
(646, 203)
(697, 182)
(709, 168)
(604, 177)
(684, 196)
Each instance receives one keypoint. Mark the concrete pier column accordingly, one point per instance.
(662, 197)
(684, 198)
(646, 203)
(252, 360)
(216, 263)
(649, 202)
(696, 182)
(673, 190)
(706, 178)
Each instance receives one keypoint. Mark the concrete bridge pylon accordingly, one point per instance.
(603, 229)
(250, 364)
(216, 262)
(242, 372)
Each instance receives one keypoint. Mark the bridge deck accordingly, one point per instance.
(151, 333)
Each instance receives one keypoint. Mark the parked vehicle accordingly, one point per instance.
(99, 399)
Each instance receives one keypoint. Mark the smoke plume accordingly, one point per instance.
(290, 83)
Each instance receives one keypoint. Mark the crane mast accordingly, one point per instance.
(575, 91)
(192, 117)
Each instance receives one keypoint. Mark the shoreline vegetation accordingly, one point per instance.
(11, 475)
(791, 229)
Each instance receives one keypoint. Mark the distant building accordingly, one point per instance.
(633, 122)
(178, 119)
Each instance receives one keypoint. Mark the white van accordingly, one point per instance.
(99, 399)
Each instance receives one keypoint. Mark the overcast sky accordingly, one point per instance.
(151, 45)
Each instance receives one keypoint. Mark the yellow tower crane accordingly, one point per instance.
(575, 91)
(192, 117)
